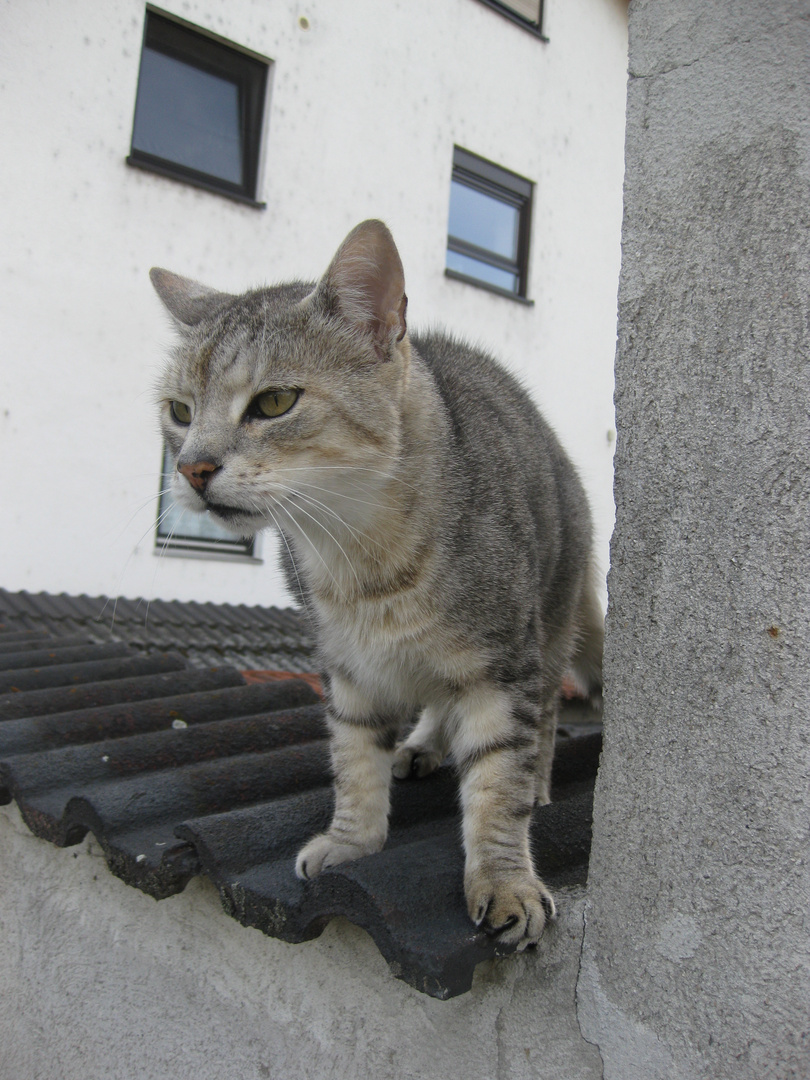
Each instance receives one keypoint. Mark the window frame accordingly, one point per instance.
(509, 188)
(535, 28)
(214, 55)
(175, 543)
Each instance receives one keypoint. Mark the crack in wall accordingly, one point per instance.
(731, 43)
(584, 1037)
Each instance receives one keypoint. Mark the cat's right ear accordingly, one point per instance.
(365, 284)
(187, 301)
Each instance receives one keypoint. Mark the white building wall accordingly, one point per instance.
(364, 110)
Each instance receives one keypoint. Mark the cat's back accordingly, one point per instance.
(498, 434)
(475, 387)
(517, 515)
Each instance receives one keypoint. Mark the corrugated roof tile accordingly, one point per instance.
(60, 653)
(235, 634)
(194, 771)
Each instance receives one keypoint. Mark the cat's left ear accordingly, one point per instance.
(188, 301)
(366, 282)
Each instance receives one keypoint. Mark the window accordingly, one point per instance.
(526, 13)
(488, 231)
(199, 109)
(184, 532)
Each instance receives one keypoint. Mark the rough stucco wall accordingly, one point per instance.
(99, 981)
(696, 954)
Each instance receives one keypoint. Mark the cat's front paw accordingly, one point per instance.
(327, 850)
(419, 761)
(513, 908)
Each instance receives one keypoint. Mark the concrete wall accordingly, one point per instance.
(697, 956)
(364, 110)
(100, 982)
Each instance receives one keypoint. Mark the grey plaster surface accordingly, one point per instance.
(696, 959)
(100, 982)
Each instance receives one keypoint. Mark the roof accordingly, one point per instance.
(180, 770)
(237, 634)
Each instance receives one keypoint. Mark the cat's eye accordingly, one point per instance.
(274, 402)
(180, 412)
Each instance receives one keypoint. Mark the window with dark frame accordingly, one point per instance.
(199, 110)
(526, 13)
(185, 532)
(489, 225)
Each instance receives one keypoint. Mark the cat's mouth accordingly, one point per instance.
(228, 513)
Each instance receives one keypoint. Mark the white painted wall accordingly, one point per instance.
(365, 108)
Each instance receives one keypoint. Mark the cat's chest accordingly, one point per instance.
(399, 653)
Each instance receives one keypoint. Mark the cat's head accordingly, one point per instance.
(282, 403)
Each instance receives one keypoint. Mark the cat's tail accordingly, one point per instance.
(586, 666)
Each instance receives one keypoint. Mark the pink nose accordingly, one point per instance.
(198, 474)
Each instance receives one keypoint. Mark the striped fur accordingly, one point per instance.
(434, 530)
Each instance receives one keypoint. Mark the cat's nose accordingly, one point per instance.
(198, 474)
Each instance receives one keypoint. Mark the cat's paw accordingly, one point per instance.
(327, 850)
(419, 761)
(514, 909)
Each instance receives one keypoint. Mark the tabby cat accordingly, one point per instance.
(433, 528)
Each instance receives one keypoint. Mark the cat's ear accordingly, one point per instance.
(366, 283)
(188, 301)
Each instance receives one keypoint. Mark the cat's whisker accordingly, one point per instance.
(156, 525)
(162, 551)
(140, 539)
(143, 504)
(312, 544)
(350, 491)
(280, 532)
(348, 469)
(337, 494)
(298, 529)
(332, 537)
(170, 535)
(293, 490)
(114, 536)
(356, 536)
(128, 559)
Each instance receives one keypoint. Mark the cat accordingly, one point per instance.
(432, 526)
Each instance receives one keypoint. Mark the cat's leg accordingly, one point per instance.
(497, 743)
(546, 735)
(362, 745)
(425, 748)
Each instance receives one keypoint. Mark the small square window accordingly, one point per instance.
(199, 109)
(185, 532)
(488, 230)
(526, 13)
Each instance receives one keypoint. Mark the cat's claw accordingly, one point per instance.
(515, 910)
(327, 850)
(415, 761)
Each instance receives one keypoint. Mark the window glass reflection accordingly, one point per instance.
(474, 268)
(188, 116)
(483, 220)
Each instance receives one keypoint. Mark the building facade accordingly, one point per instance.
(237, 143)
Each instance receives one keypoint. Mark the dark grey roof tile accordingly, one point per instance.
(82, 608)
(60, 653)
(19, 640)
(202, 633)
(35, 703)
(49, 606)
(87, 671)
(185, 700)
(192, 771)
(14, 604)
